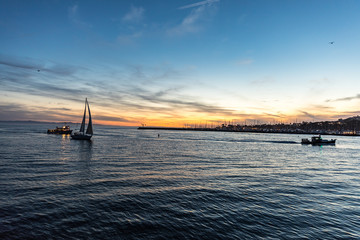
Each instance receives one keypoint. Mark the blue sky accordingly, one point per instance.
(177, 62)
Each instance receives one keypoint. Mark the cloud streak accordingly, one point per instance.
(244, 62)
(73, 15)
(309, 115)
(37, 66)
(192, 23)
(128, 94)
(136, 14)
(198, 4)
(344, 99)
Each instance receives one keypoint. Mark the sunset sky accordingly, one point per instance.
(170, 63)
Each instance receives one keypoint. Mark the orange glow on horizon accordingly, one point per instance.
(193, 122)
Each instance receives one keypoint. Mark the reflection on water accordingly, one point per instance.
(84, 160)
(85, 150)
(64, 141)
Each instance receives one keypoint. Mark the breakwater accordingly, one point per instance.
(254, 130)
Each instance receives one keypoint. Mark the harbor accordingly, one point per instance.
(341, 127)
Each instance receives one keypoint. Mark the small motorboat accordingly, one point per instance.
(317, 140)
(60, 130)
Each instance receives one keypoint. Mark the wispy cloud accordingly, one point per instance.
(35, 77)
(171, 100)
(244, 62)
(309, 115)
(192, 23)
(25, 63)
(129, 38)
(263, 81)
(73, 14)
(274, 115)
(136, 14)
(344, 99)
(12, 111)
(37, 66)
(133, 92)
(111, 118)
(198, 4)
(133, 27)
(150, 75)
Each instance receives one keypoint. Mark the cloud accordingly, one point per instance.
(306, 114)
(11, 112)
(13, 62)
(244, 62)
(129, 39)
(143, 90)
(198, 4)
(136, 14)
(170, 100)
(132, 32)
(38, 78)
(110, 118)
(37, 66)
(62, 109)
(150, 75)
(73, 15)
(274, 115)
(344, 99)
(264, 81)
(192, 23)
(346, 114)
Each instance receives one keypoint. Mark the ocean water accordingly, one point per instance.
(131, 184)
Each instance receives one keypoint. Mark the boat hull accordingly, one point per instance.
(318, 141)
(55, 131)
(330, 142)
(81, 136)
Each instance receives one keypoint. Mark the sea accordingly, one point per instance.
(148, 184)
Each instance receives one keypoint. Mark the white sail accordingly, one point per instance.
(82, 127)
(89, 129)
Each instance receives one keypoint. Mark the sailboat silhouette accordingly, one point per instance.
(81, 134)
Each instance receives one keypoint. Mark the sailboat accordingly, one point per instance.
(81, 134)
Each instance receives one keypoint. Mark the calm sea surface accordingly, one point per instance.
(130, 184)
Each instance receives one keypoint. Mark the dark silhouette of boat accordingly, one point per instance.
(60, 130)
(81, 134)
(317, 140)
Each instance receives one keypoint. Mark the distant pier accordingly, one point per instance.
(252, 130)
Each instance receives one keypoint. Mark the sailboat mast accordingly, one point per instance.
(82, 127)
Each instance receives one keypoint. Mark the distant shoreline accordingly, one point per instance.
(30, 121)
(247, 131)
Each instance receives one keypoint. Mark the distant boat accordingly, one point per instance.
(60, 130)
(317, 140)
(81, 134)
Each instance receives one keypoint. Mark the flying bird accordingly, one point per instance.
(38, 70)
(331, 42)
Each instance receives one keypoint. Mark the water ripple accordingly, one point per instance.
(129, 184)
